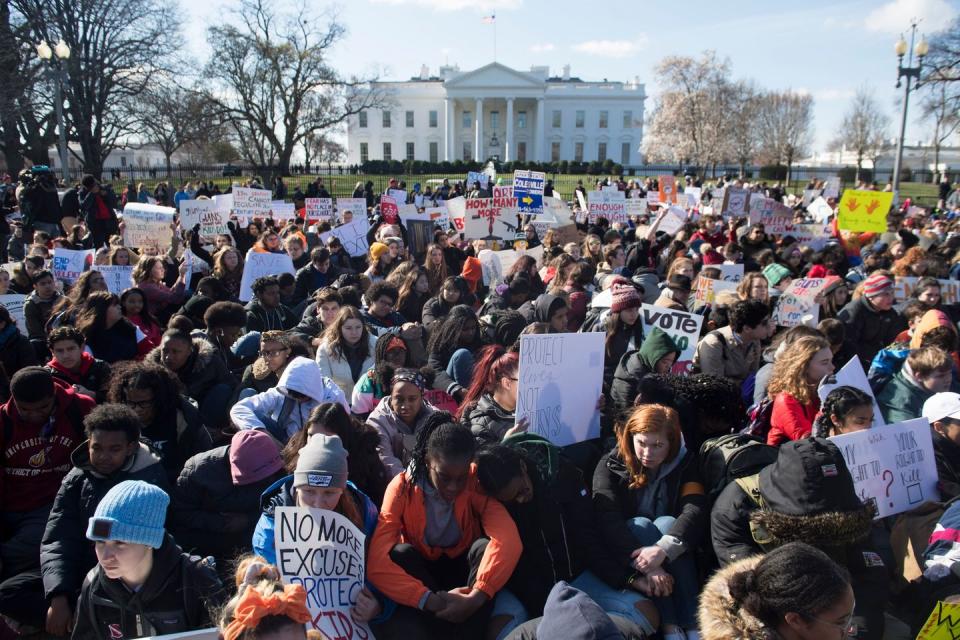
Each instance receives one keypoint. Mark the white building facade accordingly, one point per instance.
(501, 113)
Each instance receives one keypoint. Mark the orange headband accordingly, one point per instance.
(253, 607)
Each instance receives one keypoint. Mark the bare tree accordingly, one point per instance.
(321, 148)
(171, 116)
(273, 80)
(785, 127)
(864, 128)
(943, 60)
(743, 138)
(940, 105)
(117, 48)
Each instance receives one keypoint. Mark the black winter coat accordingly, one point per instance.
(488, 420)
(872, 330)
(179, 436)
(204, 369)
(261, 319)
(177, 597)
(947, 455)
(65, 553)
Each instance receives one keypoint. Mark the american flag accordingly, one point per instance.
(489, 19)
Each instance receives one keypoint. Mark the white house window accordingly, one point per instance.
(433, 119)
(409, 118)
(362, 119)
(434, 152)
(625, 153)
(467, 152)
(467, 119)
(521, 119)
(410, 151)
(521, 151)
(581, 117)
(386, 119)
(603, 119)
(578, 152)
(628, 119)
(364, 152)
(601, 151)
(554, 152)
(495, 120)
(387, 151)
(557, 118)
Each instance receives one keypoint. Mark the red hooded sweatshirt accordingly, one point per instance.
(36, 457)
(86, 361)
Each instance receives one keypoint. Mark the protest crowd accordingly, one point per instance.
(650, 408)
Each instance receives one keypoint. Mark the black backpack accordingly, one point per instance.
(726, 458)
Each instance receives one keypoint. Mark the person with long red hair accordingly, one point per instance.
(491, 400)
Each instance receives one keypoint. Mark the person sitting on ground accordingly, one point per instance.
(283, 410)
(490, 403)
(927, 371)
(143, 583)
(277, 349)
(399, 417)
(656, 354)
(942, 410)
(380, 314)
(74, 366)
(39, 305)
(346, 349)
(793, 387)
(112, 454)
(225, 322)
(734, 351)
(110, 336)
(844, 410)
(314, 276)
(389, 352)
(265, 312)
(263, 606)
(871, 318)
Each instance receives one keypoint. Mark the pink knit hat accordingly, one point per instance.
(625, 297)
(254, 456)
(876, 285)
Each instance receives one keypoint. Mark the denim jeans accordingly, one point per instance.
(460, 367)
(680, 607)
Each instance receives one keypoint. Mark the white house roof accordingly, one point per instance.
(495, 76)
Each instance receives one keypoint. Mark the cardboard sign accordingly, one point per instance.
(528, 190)
(814, 236)
(68, 264)
(893, 466)
(251, 203)
(192, 211)
(353, 235)
(490, 267)
(728, 272)
(611, 205)
(693, 195)
(903, 288)
(147, 225)
(708, 288)
(356, 206)
(483, 219)
(943, 623)
(831, 188)
(320, 209)
(667, 191)
(582, 202)
(324, 552)
(457, 210)
(561, 376)
(672, 221)
(682, 327)
(820, 210)
(852, 375)
(736, 202)
(637, 207)
(389, 209)
(14, 304)
(119, 278)
(257, 265)
(864, 210)
(558, 209)
(798, 303)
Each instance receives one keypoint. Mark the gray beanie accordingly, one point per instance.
(322, 463)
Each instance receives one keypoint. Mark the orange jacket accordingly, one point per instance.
(403, 519)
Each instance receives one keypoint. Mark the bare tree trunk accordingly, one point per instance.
(936, 159)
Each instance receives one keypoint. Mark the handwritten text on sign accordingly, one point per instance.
(251, 202)
(68, 264)
(561, 375)
(864, 210)
(323, 551)
(257, 265)
(147, 225)
(892, 466)
(611, 205)
(904, 287)
(682, 327)
(798, 304)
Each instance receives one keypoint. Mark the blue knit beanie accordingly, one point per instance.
(133, 511)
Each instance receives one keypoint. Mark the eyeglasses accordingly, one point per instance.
(849, 627)
(274, 352)
(142, 404)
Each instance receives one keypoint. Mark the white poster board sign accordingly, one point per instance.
(147, 225)
(611, 205)
(251, 203)
(798, 304)
(728, 272)
(118, 277)
(903, 287)
(561, 375)
(192, 211)
(356, 206)
(319, 209)
(672, 221)
(14, 304)
(282, 210)
(893, 466)
(490, 267)
(68, 264)
(682, 327)
(257, 265)
(323, 551)
(353, 236)
(852, 375)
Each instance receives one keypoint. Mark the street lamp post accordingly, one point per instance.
(908, 72)
(62, 52)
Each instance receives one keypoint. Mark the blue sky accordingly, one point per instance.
(826, 48)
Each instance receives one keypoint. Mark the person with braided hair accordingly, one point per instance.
(795, 592)
(389, 352)
(443, 548)
(844, 410)
(399, 417)
(263, 606)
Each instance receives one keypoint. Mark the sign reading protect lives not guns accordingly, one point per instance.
(892, 466)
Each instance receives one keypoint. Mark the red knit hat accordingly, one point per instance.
(712, 257)
(876, 285)
(625, 297)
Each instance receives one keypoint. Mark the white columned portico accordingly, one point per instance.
(478, 146)
(541, 155)
(448, 130)
(508, 145)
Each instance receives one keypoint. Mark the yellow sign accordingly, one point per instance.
(943, 623)
(864, 210)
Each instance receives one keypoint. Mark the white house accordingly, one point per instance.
(501, 113)
(131, 155)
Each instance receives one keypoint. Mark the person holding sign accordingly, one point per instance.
(149, 275)
(443, 548)
(319, 481)
(264, 607)
(651, 508)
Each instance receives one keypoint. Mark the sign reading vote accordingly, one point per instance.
(528, 190)
(682, 327)
(561, 375)
(864, 210)
(324, 552)
(893, 466)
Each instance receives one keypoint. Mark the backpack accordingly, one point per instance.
(759, 425)
(732, 457)
(751, 487)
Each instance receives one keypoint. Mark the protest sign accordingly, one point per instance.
(474, 177)
(528, 190)
(943, 623)
(419, 235)
(389, 209)
(68, 264)
(323, 551)
(439, 216)
(864, 210)
(321, 209)
(893, 466)
(682, 327)
(728, 272)
(831, 188)
(252, 203)
(636, 207)
(903, 287)
(653, 197)
(399, 196)
(282, 210)
(582, 201)
(667, 190)
(353, 235)
(483, 219)
(611, 205)
(761, 208)
(736, 202)
(852, 375)
(558, 209)
(441, 400)
(118, 277)
(820, 210)
(355, 206)
(561, 375)
(490, 267)
(693, 196)
(708, 288)
(809, 195)
(147, 225)
(257, 265)
(457, 210)
(672, 220)
(798, 303)
(14, 304)
(191, 212)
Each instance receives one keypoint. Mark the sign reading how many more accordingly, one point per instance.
(528, 189)
(864, 210)
(892, 466)
(147, 225)
(561, 376)
(682, 327)
(323, 551)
